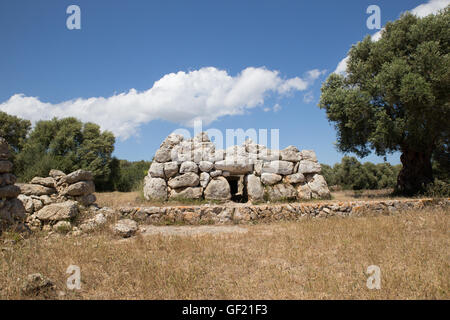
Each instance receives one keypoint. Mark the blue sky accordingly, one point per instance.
(258, 52)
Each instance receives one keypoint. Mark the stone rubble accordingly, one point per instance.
(12, 211)
(194, 169)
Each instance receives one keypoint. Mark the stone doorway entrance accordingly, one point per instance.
(238, 189)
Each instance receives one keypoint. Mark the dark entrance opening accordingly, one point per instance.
(237, 189)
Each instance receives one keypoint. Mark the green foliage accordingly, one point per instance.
(438, 189)
(14, 130)
(350, 174)
(66, 144)
(130, 175)
(395, 96)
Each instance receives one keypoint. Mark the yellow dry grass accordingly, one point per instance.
(310, 259)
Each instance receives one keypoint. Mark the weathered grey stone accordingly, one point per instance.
(255, 189)
(7, 179)
(278, 167)
(155, 189)
(35, 189)
(125, 228)
(218, 189)
(172, 140)
(237, 166)
(80, 188)
(10, 191)
(270, 178)
(170, 169)
(295, 178)
(163, 154)
(319, 187)
(309, 155)
(204, 179)
(56, 173)
(188, 166)
(46, 199)
(5, 166)
(157, 170)
(258, 164)
(27, 203)
(189, 179)
(308, 166)
(215, 173)
(187, 193)
(206, 166)
(58, 211)
(281, 191)
(37, 204)
(76, 176)
(46, 182)
(291, 153)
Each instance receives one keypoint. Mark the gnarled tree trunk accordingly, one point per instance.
(416, 172)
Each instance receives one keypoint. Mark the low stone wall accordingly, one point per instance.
(56, 199)
(247, 213)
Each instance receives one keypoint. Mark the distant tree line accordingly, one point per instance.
(68, 144)
(350, 174)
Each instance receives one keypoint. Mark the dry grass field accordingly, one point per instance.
(310, 259)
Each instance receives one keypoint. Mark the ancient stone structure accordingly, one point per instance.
(56, 199)
(12, 211)
(194, 169)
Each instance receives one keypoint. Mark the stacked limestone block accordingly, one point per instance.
(12, 211)
(194, 169)
(55, 200)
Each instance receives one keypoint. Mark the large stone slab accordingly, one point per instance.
(278, 167)
(308, 166)
(218, 189)
(281, 191)
(80, 188)
(155, 189)
(76, 176)
(187, 193)
(35, 189)
(189, 179)
(255, 188)
(237, 166)
(46, 182)
(58, 211)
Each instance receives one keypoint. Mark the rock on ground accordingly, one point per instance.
(58, 211)
(125, 228)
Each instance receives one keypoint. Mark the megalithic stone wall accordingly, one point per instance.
(12, 211)
(194, 169)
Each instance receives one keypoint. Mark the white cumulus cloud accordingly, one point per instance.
(423, 10)
(183, 97)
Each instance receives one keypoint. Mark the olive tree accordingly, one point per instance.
(395, 96)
